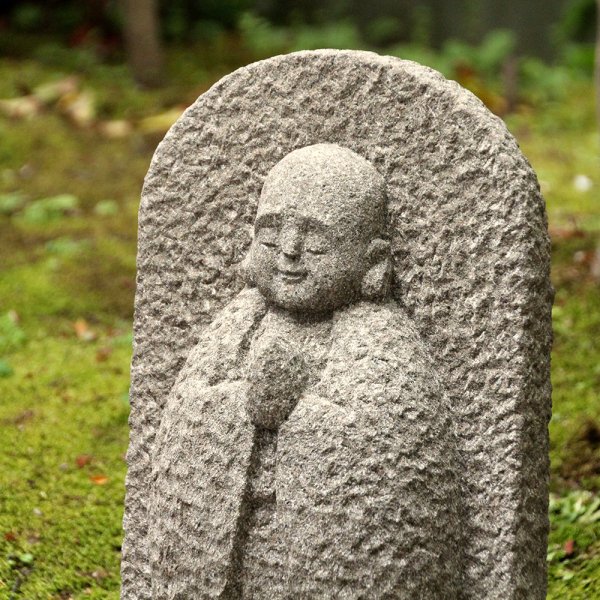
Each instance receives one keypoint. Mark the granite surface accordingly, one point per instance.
(431, 390)
(325, 463)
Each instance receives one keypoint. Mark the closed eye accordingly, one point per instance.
(317, 251)
(268, 244)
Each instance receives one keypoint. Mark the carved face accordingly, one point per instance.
(303, 263)
(313, 236)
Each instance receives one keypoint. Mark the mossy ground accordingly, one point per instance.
(66, 291)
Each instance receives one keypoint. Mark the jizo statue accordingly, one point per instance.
(340, 382)
(313, 392)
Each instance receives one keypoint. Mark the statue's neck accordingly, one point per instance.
(300, 319)
(297, 326)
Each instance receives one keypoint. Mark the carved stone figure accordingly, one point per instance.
(306, 450)
(340, 382)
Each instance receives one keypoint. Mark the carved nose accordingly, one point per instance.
(290, 244)
(291, 253)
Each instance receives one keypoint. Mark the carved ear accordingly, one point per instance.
(376, 282)
(246, 270)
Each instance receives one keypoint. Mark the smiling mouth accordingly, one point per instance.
(292, 276)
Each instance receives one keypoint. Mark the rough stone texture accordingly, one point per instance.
(325, 463)
(366, 500)
(471, 271)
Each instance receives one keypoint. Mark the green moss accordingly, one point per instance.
(562, 143)
(574, 545)
(67, 280)
(575, 425)
(61, 404)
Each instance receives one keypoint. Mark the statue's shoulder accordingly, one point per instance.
(221, 346)
(376, 351)
(379, 327)
(242, 311)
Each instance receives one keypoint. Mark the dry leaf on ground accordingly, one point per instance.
(83, 330)
(99, 479)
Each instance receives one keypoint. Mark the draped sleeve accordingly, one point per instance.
(366, 486)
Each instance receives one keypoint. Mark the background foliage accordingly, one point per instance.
(76, 137)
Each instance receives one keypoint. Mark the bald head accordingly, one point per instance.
(332, 182)
(317, 231)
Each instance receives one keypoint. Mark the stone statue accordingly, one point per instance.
(305, 451)
(341, 369)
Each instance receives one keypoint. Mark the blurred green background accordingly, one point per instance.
(87, 90)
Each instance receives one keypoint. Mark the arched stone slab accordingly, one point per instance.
(471, 261)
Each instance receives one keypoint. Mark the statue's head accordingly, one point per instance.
(319, 231)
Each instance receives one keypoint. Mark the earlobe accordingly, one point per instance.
(376, 282)
(246, 270)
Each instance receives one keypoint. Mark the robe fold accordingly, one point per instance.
(366, 494)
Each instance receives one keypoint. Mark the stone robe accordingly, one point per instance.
(366, 499)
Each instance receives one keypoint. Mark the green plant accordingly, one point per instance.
(578, 507)
(10, 203)
(578, 58)
(383, 30)
(262, 38)
(422, 25)
(486, 58)
(12, 336)
(27, 16)
(49, 209)
(340, 35)
(578, 22)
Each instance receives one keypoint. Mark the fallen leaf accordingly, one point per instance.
(48, 93)
(566, 234)
(99, 574)
(34, 538)
(569, 548)
(83, 331)
(99, 479)
(160, 123)
(595, 265)
(21, 108)
(82, 460)
(103, 354)
(27, 171)
(79, 108)
(20, 418)
(114, 130)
